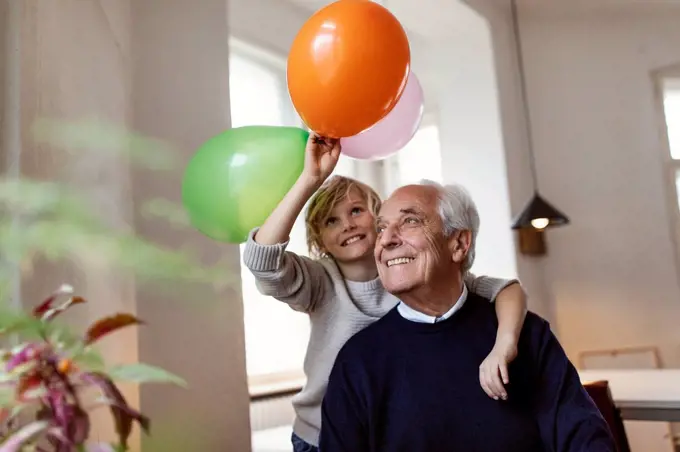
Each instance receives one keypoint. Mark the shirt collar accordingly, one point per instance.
(416, 316)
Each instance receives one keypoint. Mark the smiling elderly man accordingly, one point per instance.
(409, 381)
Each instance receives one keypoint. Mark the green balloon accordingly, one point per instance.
(236, 179)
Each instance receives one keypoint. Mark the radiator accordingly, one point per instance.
(271, 413)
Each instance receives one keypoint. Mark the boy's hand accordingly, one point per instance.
(493, 372)
(321, 156)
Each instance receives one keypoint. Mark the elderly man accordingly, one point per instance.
(409, 381)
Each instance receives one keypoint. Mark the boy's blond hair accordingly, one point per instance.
(324, 201)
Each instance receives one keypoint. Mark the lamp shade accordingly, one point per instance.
(539, 214)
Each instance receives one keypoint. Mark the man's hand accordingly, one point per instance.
(493, 372)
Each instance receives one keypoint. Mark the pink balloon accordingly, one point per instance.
(392, 132)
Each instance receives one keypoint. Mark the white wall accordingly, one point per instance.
(470, 131)
(610, 278)
(612, 274)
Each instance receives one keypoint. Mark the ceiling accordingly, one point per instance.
(427, 20)
(435, 20)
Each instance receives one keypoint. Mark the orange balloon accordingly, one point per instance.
(348, 67)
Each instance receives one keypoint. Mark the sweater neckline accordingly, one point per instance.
(434, 327)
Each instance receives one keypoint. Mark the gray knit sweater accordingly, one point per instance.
(337, 308)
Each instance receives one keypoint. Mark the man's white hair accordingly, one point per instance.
(458, 213)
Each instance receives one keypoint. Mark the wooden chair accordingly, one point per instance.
(643, 436)
(601, 395)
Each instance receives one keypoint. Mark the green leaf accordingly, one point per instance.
(13, 322)
(85, 134)
(63, 339)
(144, 373)
(7, 396)
(89, 360)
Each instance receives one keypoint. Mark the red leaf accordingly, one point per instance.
(123, 414)
(27, 383)
(53, 312)
(46, 305)
(76, 300)
(4, 415)
(108, 325)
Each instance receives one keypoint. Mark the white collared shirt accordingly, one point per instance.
(415, 316)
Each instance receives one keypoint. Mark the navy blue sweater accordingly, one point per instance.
(414, 387)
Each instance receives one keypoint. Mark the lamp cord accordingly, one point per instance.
(523, 90)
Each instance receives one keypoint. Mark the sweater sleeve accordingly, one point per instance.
(568, 419)
(487, 286)
(343, 421)
(296, 280)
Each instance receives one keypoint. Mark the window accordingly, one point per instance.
(276, 336)
(670, 109)
(419, 159)
(255, 93)
(671, 104)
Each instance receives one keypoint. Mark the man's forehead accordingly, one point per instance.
(418, 198)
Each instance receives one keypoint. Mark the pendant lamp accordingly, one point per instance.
(537, 213)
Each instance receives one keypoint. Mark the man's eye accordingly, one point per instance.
(411, 220)
(380, 229)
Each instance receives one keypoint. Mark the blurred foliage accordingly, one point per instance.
(93, 135)
(57, 220)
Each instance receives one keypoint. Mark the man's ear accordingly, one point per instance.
(459, 245)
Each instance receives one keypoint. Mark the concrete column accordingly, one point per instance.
(74, 64)
(10, 117)
(159, 67)
(181, 95)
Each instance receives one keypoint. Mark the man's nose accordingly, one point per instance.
(389, 238)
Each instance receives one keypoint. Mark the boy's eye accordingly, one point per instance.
(331, 221)
(356, 211)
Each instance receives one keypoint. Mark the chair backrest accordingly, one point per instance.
(601, 395)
